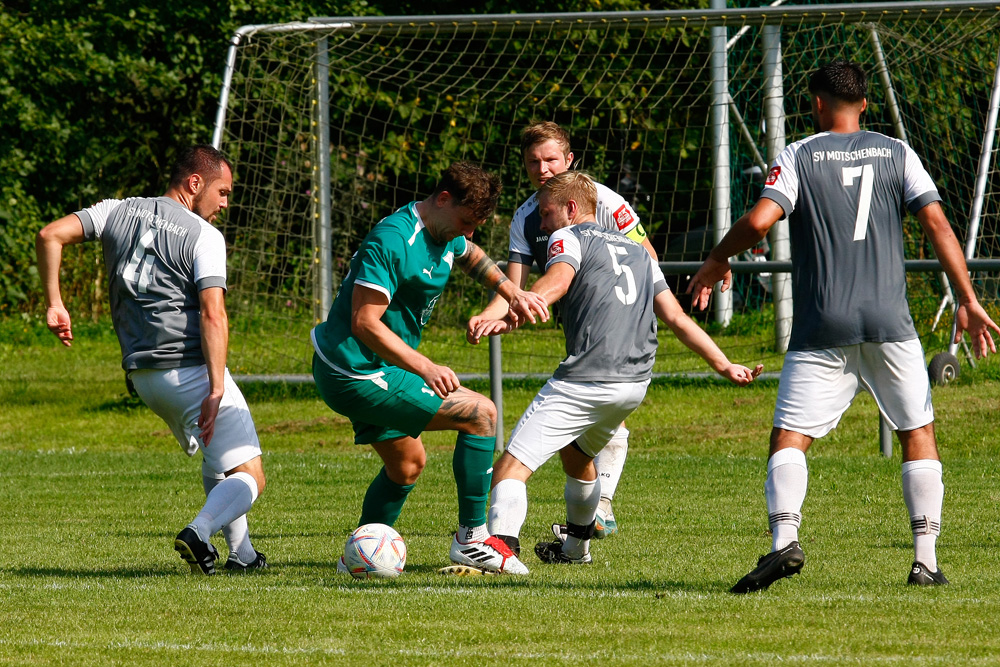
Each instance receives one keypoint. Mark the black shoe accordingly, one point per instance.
(234, 564)
(201, 556)
(921, 576)
(771, 567)
(551, 552)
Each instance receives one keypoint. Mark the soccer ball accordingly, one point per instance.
(374, 550)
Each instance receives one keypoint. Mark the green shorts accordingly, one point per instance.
(383, 406)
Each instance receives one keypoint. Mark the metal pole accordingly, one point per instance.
(323, 291)
(884, 436)
(982, 176)
(721, 212)
(774, 118)
(882, 72)
(227, 83)
(758, 159)
(496, 388)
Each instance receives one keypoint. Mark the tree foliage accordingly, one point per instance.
(96, 98)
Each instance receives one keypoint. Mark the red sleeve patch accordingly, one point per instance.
(623, 217)
(772, 176)
(556, 248)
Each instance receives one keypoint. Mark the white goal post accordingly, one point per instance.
(332, 123)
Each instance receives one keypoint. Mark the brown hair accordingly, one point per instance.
(544, 131)
(201, 159)
(472, 187)
(575, 185)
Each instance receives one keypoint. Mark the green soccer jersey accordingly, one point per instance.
(400, 259)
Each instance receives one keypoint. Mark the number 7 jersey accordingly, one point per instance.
(844, 195)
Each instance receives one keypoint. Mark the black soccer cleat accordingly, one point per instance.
(921, 576)
(201, 556)
(551, 552)
(771, 567)
(234, 564)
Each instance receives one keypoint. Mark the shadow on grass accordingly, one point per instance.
(163, 570)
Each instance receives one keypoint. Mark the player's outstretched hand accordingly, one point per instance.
(972, 318)
(488, 328)
(711, 272)
(58, 321)
(526, 305)
(741, 375)
(441, 379)
(206, 420)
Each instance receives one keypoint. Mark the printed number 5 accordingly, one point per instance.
(867, 174)
(139, 258)
(626, 296)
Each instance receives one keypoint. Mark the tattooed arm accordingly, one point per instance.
(485, 271)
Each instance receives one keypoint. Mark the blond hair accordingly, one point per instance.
(541, 132)
(577, 186)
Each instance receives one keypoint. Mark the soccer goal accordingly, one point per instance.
(335, 122)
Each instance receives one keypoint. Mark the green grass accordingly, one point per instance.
(93, 489)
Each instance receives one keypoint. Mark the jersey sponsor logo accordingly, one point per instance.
(623, 217)
(428, 272)
(425, 314)
(556, 248)
(772, 176)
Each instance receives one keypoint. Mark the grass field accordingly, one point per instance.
(93, 489)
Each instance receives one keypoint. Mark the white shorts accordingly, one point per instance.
(175, 395)
(588, 412)
(817, 386)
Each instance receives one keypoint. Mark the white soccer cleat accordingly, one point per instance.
(491, 555)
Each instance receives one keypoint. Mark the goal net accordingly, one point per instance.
(334, 123)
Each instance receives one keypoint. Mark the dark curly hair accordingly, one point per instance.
(471, 187)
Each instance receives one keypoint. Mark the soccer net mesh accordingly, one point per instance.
(407, 96)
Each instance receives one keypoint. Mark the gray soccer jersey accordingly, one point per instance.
(529, 243)
(608, 310)
(158, 255)
(844, 196)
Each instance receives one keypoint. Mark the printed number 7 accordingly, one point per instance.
(628, 295)
(867, 174)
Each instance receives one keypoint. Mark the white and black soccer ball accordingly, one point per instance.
(375, 550)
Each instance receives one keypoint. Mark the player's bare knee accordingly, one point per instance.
(480, 419)
(487, 417)
(406, 470)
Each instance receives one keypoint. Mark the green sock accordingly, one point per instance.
(383, 500)
(473, 467)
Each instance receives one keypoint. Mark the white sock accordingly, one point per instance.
(508, 507)
(610, 463)
(581, 509)
(236, 532)
(785, 490)
(230, 499)
(468, 534)
(923, 493)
